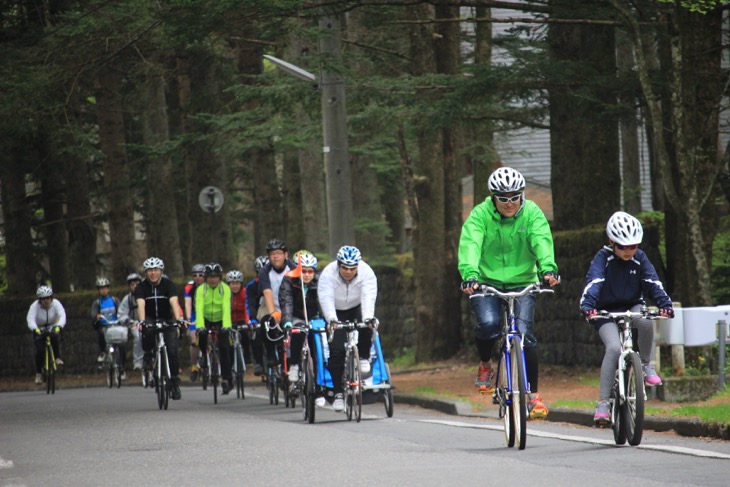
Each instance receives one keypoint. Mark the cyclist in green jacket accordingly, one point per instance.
(506, 243)
(213, 310)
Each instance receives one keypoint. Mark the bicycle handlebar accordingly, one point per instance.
(628, 314)
(535, 288)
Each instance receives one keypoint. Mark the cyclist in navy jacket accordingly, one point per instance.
(619, 277)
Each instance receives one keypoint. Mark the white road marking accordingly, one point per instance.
(583, 439)
(6, 463)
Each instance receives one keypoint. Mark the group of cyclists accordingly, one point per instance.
(506, 242)
(346, 290)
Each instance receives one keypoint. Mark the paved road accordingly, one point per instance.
(97, 436)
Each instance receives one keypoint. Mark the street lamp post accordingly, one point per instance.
(334, 130)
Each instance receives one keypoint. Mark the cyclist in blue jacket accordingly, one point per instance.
(617, 280)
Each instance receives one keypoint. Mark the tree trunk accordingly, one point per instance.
(583, 128)
(163, 240)
(118, 191)
(448, 61)
(631, 174)
(20, 263)
(53, 200)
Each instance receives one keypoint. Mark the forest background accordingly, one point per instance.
(114, 115)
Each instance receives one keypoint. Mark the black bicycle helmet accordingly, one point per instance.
(213, 269)
(276, 244)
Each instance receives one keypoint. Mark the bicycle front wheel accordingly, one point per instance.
(109, 372)
(503, 399)
(519, 385)
(353, 386)
(160, 382)
(617, 423)
(214, 373)
(240, 368)
(634, 405)
(308, 388)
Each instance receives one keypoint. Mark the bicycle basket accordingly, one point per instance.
(116, 334)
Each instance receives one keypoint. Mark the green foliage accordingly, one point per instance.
(403, 360)
(700, 6)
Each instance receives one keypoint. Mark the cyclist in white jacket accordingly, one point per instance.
(45, 314)
(347, 291)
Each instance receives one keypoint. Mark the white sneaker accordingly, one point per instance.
(339, 403)
(364, 366)
(123, 375)
(293, 373)
(101, 357)
(320, 401)
(39, 379)
(59, 361)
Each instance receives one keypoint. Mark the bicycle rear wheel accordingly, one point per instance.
(388, 395)
(617, 423)
(503, 399)
(519, 386)
(634, 405)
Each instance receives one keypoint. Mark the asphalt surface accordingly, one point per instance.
(683, 426)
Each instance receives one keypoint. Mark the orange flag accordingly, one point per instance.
(297, 272)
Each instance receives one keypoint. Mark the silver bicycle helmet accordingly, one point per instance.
(260, 262)
(153, 263)
(198, 268)
(44, 292)
(506, 180)
(134, 277)
(624, 229)
(349, 256)
(103, 282)
(234, 276)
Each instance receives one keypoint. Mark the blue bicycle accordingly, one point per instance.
(512, 387)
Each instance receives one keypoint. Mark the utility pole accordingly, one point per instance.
(334, 129)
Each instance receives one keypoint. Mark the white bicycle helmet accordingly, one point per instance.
(349, 256)
(624, 229)
(103, 282)
(308, 259)
(44, 292)
(234, 276)
(198, 268)
(506, 180)
(153, 263)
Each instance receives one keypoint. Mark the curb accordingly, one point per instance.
(683, 426)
